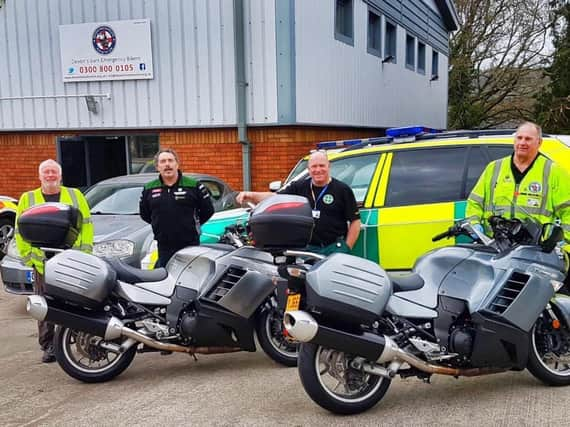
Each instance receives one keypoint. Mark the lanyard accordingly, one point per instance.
(320, 194)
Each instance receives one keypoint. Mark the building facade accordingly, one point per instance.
(240, 88)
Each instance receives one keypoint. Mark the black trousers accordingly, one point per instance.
(45, 329)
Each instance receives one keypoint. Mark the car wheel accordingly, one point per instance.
(6, 232)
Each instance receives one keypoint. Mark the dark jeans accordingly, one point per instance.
(45, 329)
(338, 246)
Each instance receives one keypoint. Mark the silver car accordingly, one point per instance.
(119, 230)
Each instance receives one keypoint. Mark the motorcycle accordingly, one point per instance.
(209, 299)
(471, 309)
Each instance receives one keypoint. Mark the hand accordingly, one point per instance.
(241, 197)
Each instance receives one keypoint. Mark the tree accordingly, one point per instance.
(495, 60)
(553, 103)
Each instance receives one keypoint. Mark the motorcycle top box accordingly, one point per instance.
(52, 225)
(281, 222)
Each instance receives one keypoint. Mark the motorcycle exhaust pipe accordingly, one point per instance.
(38, 308)
(108, 328)
(303, 327)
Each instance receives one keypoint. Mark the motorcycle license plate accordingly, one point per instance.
(293, 302)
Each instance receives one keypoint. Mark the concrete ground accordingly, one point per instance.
(243, 389)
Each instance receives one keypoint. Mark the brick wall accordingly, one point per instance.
(274, 151)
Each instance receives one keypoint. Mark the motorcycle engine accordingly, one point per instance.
(461, 341)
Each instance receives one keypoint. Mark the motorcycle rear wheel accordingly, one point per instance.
(545, 361)
(272, 338)
(355, 391)
(81, 357)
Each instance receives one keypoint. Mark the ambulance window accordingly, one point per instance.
(499, 151)
(477, 162)
(426, 176)
(356, 172)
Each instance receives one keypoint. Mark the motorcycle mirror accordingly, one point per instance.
(550, 236)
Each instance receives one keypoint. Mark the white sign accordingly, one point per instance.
(118, 50)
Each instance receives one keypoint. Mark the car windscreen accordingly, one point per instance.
(119, 199)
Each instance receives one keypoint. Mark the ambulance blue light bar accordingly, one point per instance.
(326, 145)
(409, 131)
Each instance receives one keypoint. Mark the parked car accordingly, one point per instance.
(8, 207)
(410, 191)
(119, 231)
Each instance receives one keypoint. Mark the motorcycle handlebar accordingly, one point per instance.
(440, 236)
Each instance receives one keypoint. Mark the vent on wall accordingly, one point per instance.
(510, 290)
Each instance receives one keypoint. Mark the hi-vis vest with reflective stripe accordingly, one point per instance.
(70, 196)
(543, 194)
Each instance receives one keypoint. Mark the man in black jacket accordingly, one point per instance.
(175, 206)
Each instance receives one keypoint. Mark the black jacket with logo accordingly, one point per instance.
(176, 212)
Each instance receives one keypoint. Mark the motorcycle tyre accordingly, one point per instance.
(313, 387)
(126, 359)
(537, 369)
(266, 344)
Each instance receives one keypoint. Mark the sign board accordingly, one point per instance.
(117, 50)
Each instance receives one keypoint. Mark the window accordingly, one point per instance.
(142, 149)
(477, 163)
(390, 43)
(426, 176)
(410, 52)
(215, 189)
(343, 27)
(499, 151)
(374, 33)
(434, 65)
(356, 172)
(421, 58)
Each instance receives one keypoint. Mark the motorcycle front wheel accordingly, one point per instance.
(82, 357)
(332, 383)
(273, 338)
(549, 353)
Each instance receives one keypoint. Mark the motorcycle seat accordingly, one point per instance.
(406, 282)
(129, 274)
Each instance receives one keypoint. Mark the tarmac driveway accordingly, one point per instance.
(242, 389)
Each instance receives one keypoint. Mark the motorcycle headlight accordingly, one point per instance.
(114, 248)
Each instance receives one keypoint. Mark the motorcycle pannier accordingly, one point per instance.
(50, 225)
(79, 278)
(281, 222)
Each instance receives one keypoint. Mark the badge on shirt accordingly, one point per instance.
(533, 203)
(328, 199)
(535, 187)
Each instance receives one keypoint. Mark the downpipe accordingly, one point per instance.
(304, 328)
(110, 329)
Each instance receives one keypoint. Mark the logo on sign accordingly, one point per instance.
(104, 40)
(142, 66)
(71, 70)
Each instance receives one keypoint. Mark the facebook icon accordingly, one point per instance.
(142, 66)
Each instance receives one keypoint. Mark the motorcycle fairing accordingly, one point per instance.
(399, 306)
(213, 325)
(140, 295)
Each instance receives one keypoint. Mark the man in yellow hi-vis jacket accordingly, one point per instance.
(526, 179)
(51, 190)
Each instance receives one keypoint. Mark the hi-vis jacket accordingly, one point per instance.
(70, 196)
(543, 194)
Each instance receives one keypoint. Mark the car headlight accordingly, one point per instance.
(114, 248)
(12, 250)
